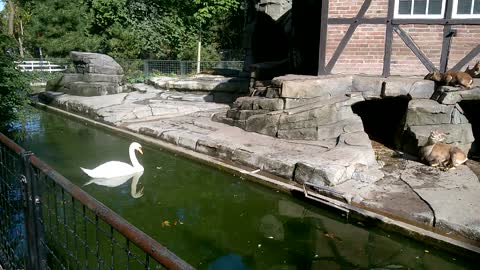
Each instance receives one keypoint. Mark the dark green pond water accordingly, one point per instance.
(215, 220)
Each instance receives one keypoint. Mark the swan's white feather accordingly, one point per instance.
(110, 169)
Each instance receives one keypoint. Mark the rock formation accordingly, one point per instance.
(318, 109)
(312, 108)
(96, 74)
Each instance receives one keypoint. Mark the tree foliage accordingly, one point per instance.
(160, 29)
(13, 86)
(58, 27)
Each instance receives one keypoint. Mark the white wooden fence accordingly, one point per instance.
(46, 66)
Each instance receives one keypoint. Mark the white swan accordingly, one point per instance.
(119, 180)
(113, 169)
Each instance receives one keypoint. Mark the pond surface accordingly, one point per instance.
(214, 220)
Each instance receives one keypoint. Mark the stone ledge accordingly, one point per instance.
(452, 95)
(378, 87)
(202, 83)
(302, 86)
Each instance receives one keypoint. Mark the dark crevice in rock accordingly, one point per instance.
(434, 219)
(471, 112)
(383, 118)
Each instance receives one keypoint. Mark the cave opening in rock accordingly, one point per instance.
(472, 113)
(383, 118)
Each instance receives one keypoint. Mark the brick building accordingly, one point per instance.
(378, 37)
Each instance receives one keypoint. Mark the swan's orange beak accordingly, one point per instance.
(140, 150)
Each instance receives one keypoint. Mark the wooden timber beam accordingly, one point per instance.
(448, 33)
(415, 49)
(436, 21)
(388, 39)
(323, 39)
(357, 20)
(348, 35)
(469, 57)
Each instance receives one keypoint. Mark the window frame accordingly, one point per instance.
(462, 16)
(419, 16)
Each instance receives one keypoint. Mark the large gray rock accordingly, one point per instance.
(377, 87)
(460, 135)
(297, 86)
(325, 119)
(428, 112)
(208, 83)
(275, 8)
(452, 95)
(414, 87)
(336, 166)
(96, 63)
(91, 77)
(97, 75)
(88, 89)
(370, 87)
(266, 124)
(425, 115)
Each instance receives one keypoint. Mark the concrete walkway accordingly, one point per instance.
(403, 189)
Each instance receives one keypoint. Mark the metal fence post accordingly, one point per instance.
(145, 68)
(182, 68)
(34, 228)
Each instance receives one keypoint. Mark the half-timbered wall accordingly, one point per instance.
(365, 50)
(467, 38)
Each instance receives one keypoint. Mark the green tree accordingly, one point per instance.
(13, 86)
(59, 26)
(158, 29)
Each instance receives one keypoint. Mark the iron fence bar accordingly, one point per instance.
(36, 260)
(65, 227)
(112, 244)
(147, 262)
(128, 252)
(97, 242)
(139, 238)
(75, 243)
(36, 170)
(85, 235)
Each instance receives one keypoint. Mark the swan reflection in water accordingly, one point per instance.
(119, 180)
(115, 173)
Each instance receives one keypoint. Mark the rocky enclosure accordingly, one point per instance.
(319, 108)
(342, 164)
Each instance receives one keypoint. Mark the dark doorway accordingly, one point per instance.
(289, 44)
(383, 119)
(305, 36)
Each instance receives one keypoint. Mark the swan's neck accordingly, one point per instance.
(133, 159)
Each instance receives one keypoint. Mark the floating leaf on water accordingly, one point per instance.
(332, 236)
(166, 223)
(394, 266)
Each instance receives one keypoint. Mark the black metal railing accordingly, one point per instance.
(47, 222)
